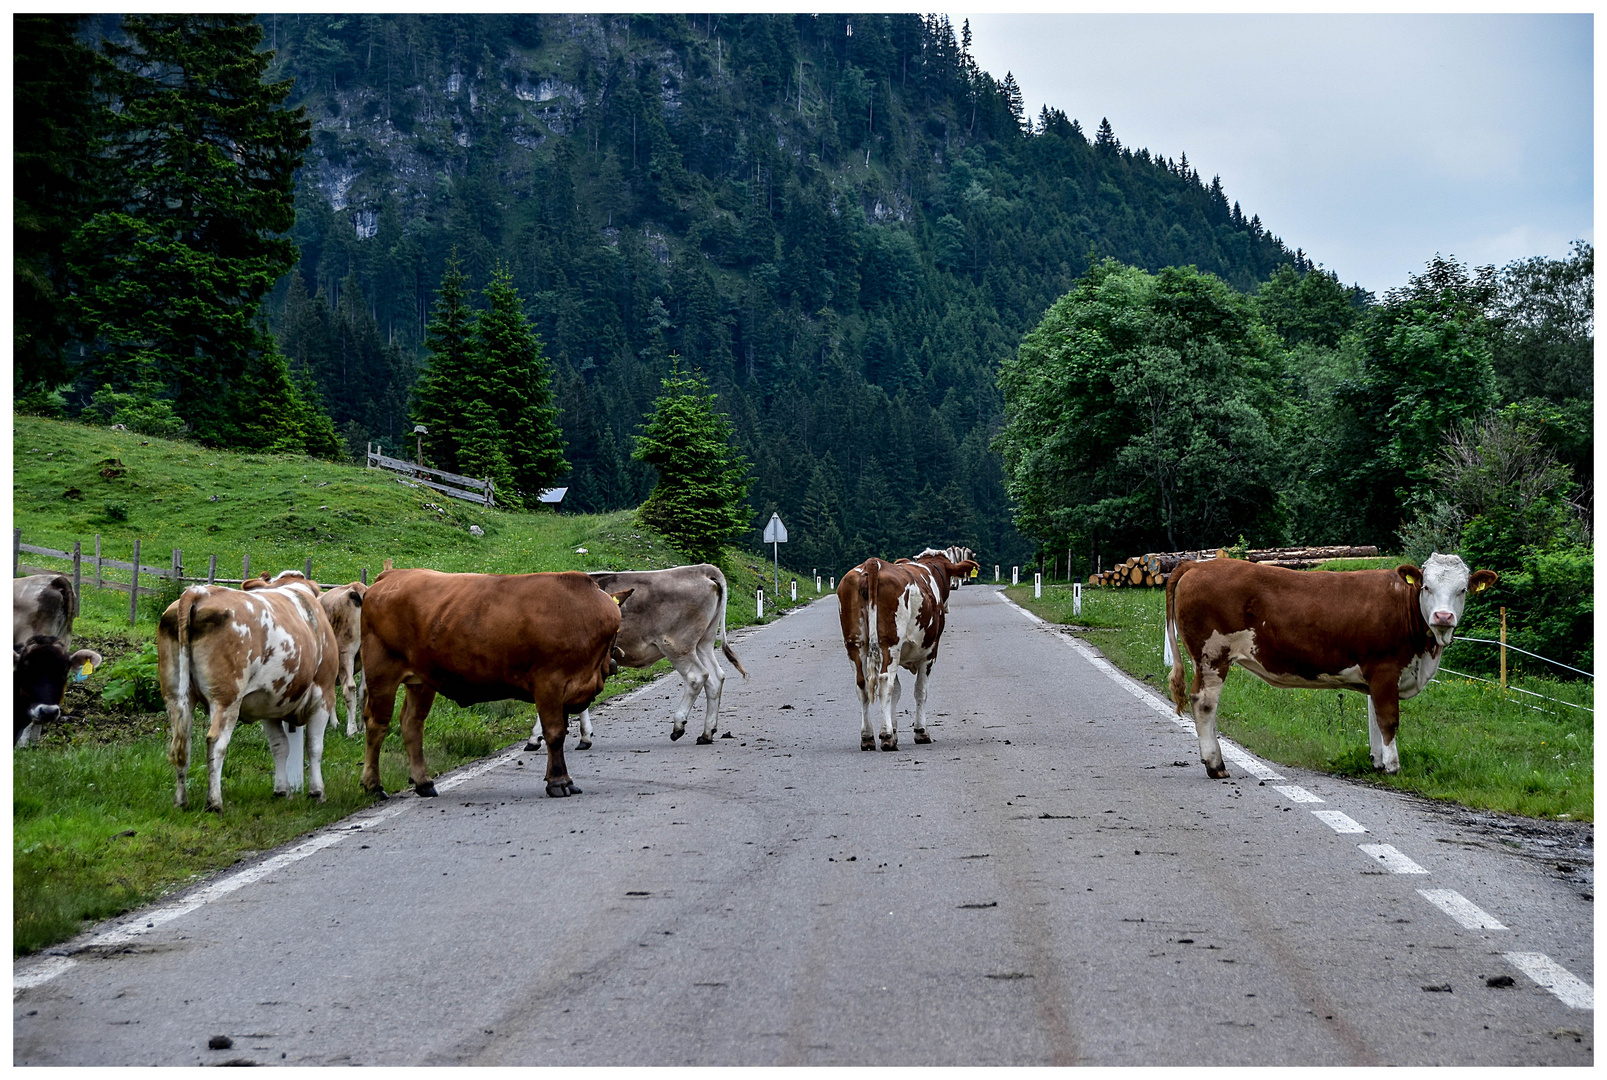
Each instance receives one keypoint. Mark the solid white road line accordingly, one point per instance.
(1338, 822)
(1571, 991)
(1393, 860)
(1460, 908)
(1296, 792)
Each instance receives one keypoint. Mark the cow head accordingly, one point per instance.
(1442, 586)
(39, 671)
(282, 579)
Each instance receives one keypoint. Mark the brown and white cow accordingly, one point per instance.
(542, 638)
(956, 554)
(267, 653)
(1378, 632)
(42, 611)
(676, 615)
(892, 616)
(344, 606)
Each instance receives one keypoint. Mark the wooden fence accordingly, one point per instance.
(97, 564)
(468, 488)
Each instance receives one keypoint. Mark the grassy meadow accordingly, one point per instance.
(1460, 740)
(94, 829)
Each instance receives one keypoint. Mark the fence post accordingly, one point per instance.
(488, 491)
(133, 589)
(1503, 648)
(362, 575)
(245, 570)
(178, 563)
(16, 550)
(761, 603)
(78, 581)
(97, 560)
(212, 569)
(387, 565)
(307, 569)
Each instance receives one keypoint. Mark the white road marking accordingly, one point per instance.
(1393, 860)
(1338, 822)
(1296, 793)
(1460, 908)
(1570, 990)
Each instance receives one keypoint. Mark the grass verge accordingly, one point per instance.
(94, 829)
(1461, 740)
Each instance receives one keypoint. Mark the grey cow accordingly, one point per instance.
(676, 614)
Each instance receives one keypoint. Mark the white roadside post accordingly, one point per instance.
(761, 603)
(1015, 575)
(794, 590)
(995, 573)
(1076, 598)
(817, 584)
(775, 534)
(1037, 586)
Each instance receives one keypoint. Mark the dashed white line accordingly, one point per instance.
(1338, 822)
(1570, 990)
(1393, 860)
(1296, 793)
(1460, 908)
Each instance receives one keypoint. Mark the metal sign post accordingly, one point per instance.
(775, 534)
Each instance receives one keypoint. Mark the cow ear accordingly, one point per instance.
(1482, 579)
(621, 597)
(87, 657)
(1410, 574)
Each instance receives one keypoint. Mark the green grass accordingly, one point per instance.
(94, 829)
(1460, 740)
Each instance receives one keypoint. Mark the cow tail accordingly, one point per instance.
(1174, 655)
(178, 707)
(725, 646)
(868, 621)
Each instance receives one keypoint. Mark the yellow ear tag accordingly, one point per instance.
(973, 571)
(83, 672)
(618, 602)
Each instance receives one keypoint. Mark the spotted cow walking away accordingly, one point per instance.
(344, 606)
(892, 616)
(1378, 632)
(267, 653)
(956, 554)
(43, 607)
(542, 638)
(676, 615)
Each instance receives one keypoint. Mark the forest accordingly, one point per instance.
(858, 239)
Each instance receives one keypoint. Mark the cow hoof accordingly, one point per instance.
(378, 793)
(867, 743)
(584, 744)
(214, 808)
(922, 737)
(676, 733)
(425, 790)
(529, 746)
(1217, 774)
(704, 740)
(889, 744)
(562, 789)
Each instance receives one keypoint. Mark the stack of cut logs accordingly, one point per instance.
(1152, 569)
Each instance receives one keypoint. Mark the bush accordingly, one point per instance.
(1550, 611)
(132, 682)
(141, 411)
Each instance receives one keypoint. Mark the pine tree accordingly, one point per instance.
(173, 269)
(512, 364)
(1105, 137)
(700, 500)
(438, 396)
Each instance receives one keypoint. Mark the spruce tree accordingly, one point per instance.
(512, 366)
(438, 396)
(174, 267)
(700, 500)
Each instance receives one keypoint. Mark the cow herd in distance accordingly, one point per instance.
(277, 649)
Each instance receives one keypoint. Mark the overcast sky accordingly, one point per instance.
(1371, 141)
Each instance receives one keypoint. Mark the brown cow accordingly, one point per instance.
(43, 607)
(1378, 632)
(344, 606)
(892, 616)
(266, 652)
(543, 638)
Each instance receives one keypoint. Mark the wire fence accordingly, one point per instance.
(1525, 652)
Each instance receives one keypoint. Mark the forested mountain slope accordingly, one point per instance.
(841, 220)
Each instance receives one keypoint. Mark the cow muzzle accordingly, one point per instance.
(44, 714)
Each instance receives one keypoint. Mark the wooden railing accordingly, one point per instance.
(468, 488)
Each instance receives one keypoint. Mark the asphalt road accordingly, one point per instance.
(1053, 880)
